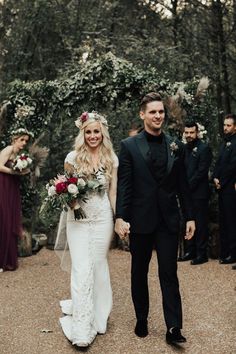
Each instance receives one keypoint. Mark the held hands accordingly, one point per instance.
(122, 228)
(190, 229)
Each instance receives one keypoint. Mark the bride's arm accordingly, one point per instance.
(112, 189)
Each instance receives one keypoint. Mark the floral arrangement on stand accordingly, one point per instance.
(66, 191)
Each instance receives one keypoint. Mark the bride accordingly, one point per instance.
(87, 312)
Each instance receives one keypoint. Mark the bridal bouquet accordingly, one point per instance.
(64, 192)
(21, 162)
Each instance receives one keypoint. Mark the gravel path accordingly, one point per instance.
(29, 309)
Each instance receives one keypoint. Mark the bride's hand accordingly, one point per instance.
(72, 204)
(122, 228)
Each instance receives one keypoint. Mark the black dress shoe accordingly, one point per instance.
(234, 267)
(174, 336)
(199, 260)
(141, 328)
(228, 260)
(186, 257)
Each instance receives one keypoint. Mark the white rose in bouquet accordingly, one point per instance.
(81, 183)
(29, 160)
(72, 189)
(21, 165)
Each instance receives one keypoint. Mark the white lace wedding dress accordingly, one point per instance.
(87, 312)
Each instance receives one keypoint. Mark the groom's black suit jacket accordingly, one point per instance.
(140, 199)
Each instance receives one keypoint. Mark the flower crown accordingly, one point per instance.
(21, 131)
(93, 116)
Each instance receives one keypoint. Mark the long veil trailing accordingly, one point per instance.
(61, 246)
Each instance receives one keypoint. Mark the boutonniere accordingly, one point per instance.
(194, 151)
(173, 147)
(228, 144)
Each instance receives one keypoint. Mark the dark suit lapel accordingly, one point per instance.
(170, 154)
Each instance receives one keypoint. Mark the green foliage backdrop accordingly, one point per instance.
(107, 84)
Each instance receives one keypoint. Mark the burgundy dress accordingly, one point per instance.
(10, 220)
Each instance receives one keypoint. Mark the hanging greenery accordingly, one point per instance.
(106, 84)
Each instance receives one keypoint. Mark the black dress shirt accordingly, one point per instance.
(158, 155)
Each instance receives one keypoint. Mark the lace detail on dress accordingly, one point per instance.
(83, 323)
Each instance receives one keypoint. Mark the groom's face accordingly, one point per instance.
(153, 117)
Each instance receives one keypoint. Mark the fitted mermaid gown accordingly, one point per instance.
(87, 312)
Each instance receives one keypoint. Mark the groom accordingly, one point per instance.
(151, 173)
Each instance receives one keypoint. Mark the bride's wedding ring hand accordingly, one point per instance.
(122, 228)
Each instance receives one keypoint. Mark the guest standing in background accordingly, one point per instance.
(10, 200)
(224, 180)
(198, 157)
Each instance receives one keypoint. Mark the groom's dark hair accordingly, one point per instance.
(149, 97)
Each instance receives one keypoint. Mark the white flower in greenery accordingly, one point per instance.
(81, 183)
(23, 111)
(228, 144)
(29, 160)
(51, 190)
(184, 139)
(202, 132)
(72, 189)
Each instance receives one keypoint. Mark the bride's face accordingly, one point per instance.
(93, 135)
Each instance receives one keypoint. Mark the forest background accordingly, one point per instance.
(59, 58)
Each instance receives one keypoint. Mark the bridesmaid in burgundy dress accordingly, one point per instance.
(10, 201)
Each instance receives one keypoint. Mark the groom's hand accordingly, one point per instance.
(122, 228)
(190, 229)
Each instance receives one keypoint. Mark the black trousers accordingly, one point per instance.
(227, 215)
(166, 245)
(198, 244)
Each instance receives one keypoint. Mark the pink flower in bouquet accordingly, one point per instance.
(61, 187)
(60, 178)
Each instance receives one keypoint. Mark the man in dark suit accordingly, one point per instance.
(198, 158)
(151, 173)
(224, 179)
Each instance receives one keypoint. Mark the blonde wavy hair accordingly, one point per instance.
(106, 151)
